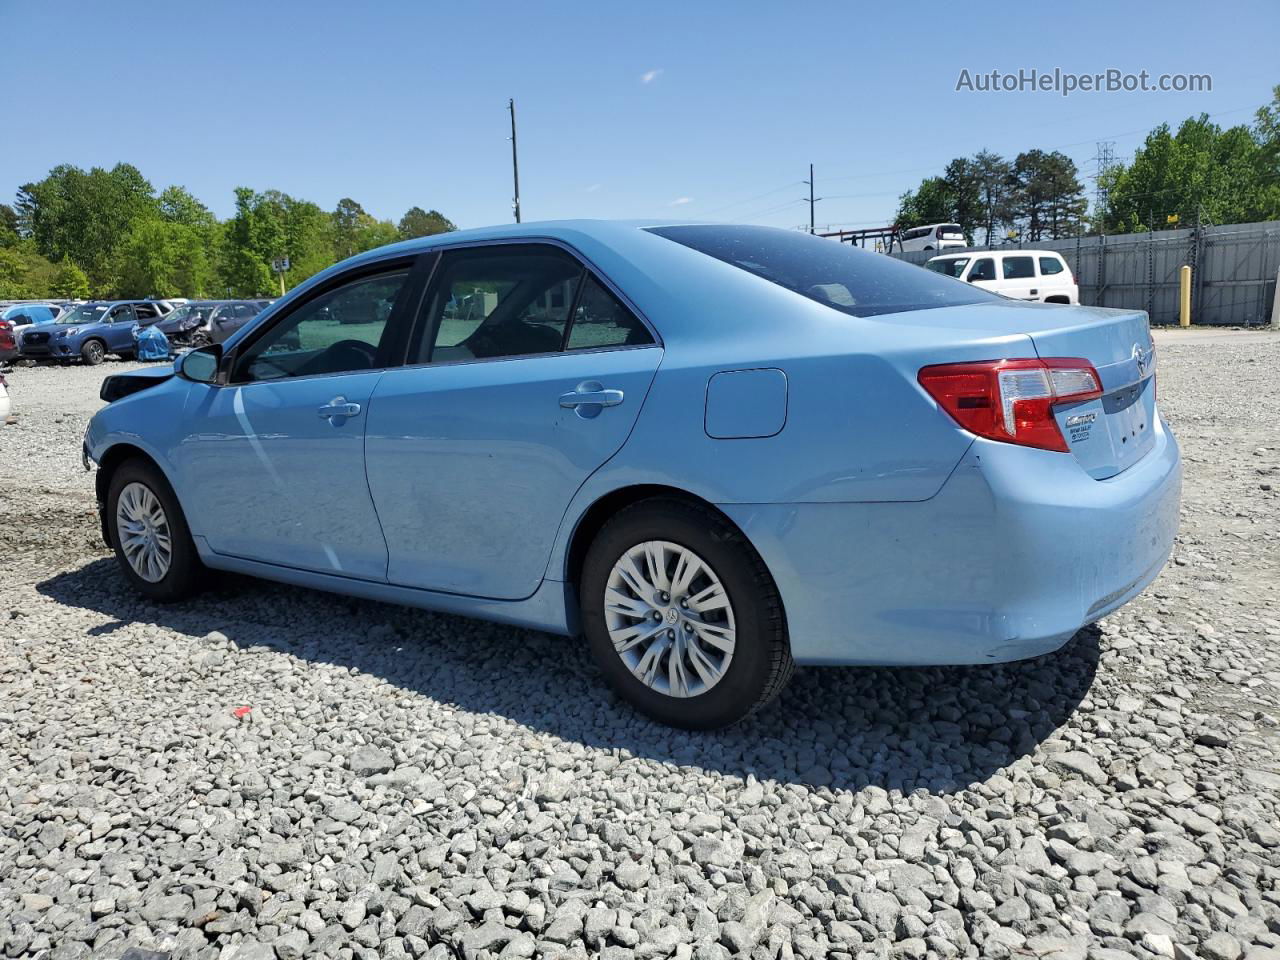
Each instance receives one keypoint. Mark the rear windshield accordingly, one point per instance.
(839, 275)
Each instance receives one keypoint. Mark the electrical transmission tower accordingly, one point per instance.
(1101, 179)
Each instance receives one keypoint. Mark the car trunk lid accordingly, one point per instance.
(1106, 435)
(1109, 434)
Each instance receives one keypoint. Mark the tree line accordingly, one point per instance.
(109, 233)
(1202, 173)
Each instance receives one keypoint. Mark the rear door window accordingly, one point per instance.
(1050, 265)
(838, 275)
(499, 301)
(1019, 268)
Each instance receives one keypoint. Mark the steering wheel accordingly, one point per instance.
(344, 349)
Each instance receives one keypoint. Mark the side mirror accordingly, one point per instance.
(201, 365)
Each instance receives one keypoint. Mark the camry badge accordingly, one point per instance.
(1143, 357)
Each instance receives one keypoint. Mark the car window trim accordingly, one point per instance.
(423, 326)
(386, 358)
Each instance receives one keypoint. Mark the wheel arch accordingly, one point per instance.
(593, 519)
(112, 458)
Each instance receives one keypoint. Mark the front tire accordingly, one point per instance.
(682, 615)
(149, 533)
(92, 352)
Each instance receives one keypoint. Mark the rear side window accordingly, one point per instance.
(1050, 266)
(600, 320)
(1019, 268)
(840, 276)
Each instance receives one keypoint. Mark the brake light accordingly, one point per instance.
(1012, 400)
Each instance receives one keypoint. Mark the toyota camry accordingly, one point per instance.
(712, 451)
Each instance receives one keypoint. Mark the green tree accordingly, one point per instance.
(69, 281)
(422, 223)
(964, 186)
(8, 226)
(161, 258)
(1202, 172)
(376, 233)
(1046, 198)
(13, 275)
(85, 215)
(243, 271)
(931, 202)
(178, 205)
(308, 239)
(348, 220)
(994, 176)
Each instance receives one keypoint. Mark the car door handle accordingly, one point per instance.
(591, 394)
(338, 409)
(1034, 291)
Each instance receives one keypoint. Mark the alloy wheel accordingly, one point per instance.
(143, 530)
(669, 618)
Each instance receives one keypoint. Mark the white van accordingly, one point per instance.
(936, 236)
(1021, 274)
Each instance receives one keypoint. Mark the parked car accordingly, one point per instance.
(5, 408)
(89, 331)
(716, 450)
(21, 315)
(1021, 274)
(202, 322)
(935, 236)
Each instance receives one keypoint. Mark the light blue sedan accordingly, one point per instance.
(715, 451)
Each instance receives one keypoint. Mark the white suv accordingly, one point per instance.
(1021, 274)
(935, 236)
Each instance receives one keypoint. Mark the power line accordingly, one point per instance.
(767, 193)
(764, 213)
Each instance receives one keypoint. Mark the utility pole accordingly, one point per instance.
(812, 198)
(515, 163)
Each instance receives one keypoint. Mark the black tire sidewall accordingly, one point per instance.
(180, 581)
(727, 552)
(90, 358)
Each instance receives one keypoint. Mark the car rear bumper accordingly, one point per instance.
(1017, 551)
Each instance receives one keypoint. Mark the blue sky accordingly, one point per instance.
(694, 110)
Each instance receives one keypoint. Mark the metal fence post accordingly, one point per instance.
(1102, 270)
(1275, 304)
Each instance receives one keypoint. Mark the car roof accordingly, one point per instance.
(997, 253)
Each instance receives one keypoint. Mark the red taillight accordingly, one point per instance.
(1012, 400)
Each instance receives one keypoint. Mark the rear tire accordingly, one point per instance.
(92, 352)
(735, 656)
(153, 518)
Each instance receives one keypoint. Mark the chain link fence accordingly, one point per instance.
(1233, 280)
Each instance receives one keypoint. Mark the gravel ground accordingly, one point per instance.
(270, 771)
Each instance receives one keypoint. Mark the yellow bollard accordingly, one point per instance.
(1184, 296)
